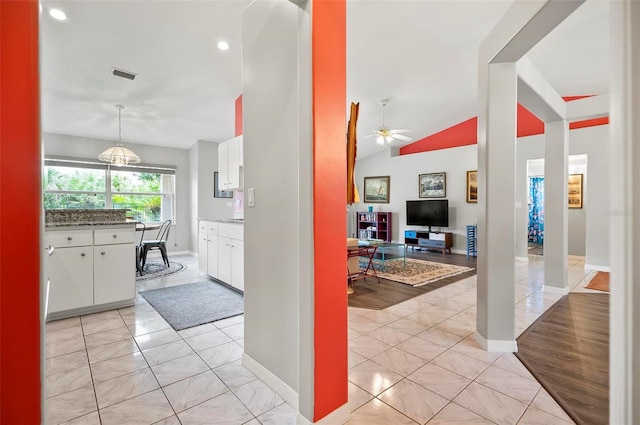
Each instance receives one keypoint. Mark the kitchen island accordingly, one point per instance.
(91, 266)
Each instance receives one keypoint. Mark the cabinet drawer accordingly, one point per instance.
(233, 231)
(69, 238)
(114, 236)
(431, 243)
(212, 228)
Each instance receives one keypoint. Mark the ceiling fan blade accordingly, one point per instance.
(371, 135)
(402, 130)
(401, 137)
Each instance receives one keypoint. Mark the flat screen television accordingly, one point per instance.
(431, 212)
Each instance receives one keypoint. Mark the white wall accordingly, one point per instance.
(277, 164)
(203, 161)
(87, 148)
(577, 216)
(404, 171)
(589, 224)
(592, 141)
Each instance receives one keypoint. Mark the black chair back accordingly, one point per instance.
(163, 233)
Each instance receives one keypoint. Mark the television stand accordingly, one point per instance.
(441, 241)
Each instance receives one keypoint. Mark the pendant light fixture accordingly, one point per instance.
(119, 155)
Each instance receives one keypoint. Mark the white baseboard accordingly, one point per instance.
(555, 290)
(523, 259)
(337, 417)
(597, 268)
(496, 346)
(276, 384)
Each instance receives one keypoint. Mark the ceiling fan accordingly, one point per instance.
(385, 134)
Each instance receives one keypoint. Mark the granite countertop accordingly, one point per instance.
(224, 220)
(102, 223)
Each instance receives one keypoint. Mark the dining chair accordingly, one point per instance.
(140, 227)
(160, 243)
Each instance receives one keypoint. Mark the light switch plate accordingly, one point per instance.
(251, 197)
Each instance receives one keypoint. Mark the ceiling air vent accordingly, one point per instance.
(123, 74)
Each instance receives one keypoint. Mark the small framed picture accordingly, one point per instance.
(433, 185)
(376, 189)
(217, 193)
(575, 191)
(472, 186)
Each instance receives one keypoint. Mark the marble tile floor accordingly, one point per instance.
(415, 362)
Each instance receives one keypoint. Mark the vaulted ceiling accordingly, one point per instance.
(422, 55)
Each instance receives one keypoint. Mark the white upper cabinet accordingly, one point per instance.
(229, 163)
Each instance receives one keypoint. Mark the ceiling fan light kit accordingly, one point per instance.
(387, 135)
(119, 155)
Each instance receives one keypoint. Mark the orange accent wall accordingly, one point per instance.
(329, 93)
(20, 206)
(461, 134)
(465, 133)
(589, 123)
(239, 115)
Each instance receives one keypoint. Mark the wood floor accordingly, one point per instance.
(567, 350)
(369, 294)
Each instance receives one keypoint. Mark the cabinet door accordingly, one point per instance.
(234, 164)
(202, 252)
(237, 264)
(212, 256)
(224, 259)
(114, 273)
(71, 273)
(223, 166)
(240, 151)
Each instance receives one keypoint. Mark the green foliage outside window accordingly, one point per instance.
(85, 188)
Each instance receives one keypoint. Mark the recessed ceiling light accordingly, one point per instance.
(223, 45)
(58, 14)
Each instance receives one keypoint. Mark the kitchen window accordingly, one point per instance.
(147, 191)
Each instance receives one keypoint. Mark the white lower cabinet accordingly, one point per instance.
(224, 259)
(212, 255)
(231, 261)
(202, 252)
(113, 267)
(71, 275)
(223, 247)
(90, 270)
(237, 264)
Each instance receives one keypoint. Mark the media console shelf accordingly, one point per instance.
(441, 241)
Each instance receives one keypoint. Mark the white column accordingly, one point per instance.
(556, 221)
(496, 201)
(624, 214)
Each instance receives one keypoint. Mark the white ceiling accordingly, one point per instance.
(420, 54)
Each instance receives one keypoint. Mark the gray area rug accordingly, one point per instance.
(193, 304)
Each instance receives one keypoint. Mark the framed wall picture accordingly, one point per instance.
(472, 186)
(433, 185)
(575, 191)
(376, 189)
(217, 193)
